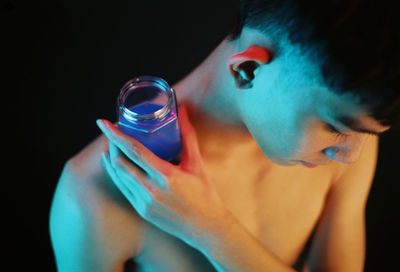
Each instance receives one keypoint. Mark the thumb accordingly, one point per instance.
(191, 156)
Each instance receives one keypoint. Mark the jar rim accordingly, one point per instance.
(135, 83)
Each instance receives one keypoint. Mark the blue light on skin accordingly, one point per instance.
(286, 109)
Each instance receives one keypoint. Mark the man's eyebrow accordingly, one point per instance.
(354, 124)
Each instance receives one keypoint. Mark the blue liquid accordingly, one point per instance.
(161, 137)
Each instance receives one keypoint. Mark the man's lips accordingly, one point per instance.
(307, 164)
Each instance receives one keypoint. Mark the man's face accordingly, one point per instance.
(291, 114)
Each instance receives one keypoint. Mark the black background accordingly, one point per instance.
(63, 63)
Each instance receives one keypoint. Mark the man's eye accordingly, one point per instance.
(332, 128)
(335, 131)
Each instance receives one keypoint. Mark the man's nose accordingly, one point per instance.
(347, 152)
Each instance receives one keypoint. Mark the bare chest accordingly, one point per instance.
(279, 206)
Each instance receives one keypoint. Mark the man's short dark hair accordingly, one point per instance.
(355, 42)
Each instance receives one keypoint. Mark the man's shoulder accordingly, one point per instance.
(86, 193)
(85, 180)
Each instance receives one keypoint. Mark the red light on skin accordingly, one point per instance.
(254, 52)
(309, 165)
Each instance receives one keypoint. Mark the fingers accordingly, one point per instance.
(145, 159)
(127, 182)
(191, 155)
(114, 177)
(117, 159)
(128, 168)
(133, 149)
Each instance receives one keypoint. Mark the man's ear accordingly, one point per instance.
(242, 65)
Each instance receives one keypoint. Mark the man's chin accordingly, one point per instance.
(281, 162)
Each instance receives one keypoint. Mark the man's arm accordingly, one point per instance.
(339, 241)
(92, 227)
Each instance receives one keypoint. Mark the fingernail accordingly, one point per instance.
(100, 123)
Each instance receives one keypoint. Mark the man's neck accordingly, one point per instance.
(208, 92)
(209, 88)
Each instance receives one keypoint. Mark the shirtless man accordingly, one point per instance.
(256, 117)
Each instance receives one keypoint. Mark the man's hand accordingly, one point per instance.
(178, 199)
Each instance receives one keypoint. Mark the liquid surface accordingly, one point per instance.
(145, 108)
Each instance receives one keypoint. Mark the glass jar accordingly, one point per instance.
(147, 111)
